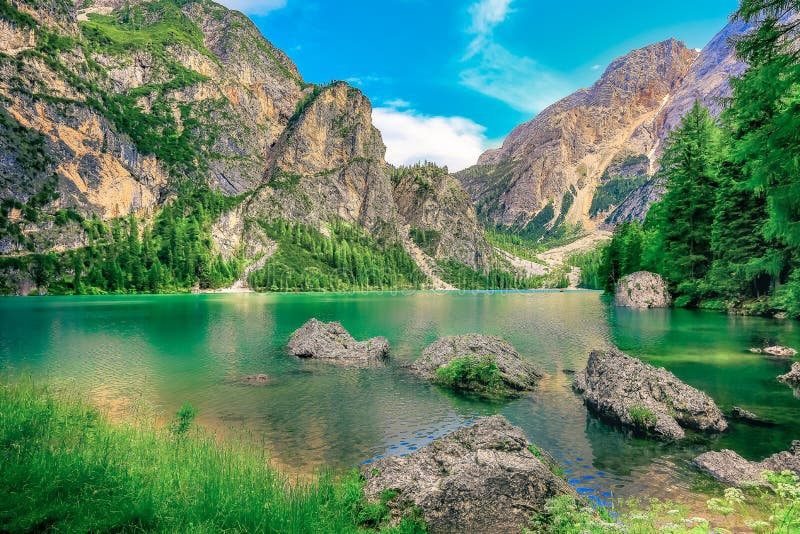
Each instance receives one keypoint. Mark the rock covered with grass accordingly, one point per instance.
(331, 342)
(487, 365)
(729, 467)
(642, 290)
(650, 400)
(481, 478)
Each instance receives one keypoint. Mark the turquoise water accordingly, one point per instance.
(162, 351)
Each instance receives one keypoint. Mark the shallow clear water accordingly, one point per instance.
(166, 350)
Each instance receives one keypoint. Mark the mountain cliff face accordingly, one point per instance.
(329, 164)
(557, 158)
(440, 215)
(582, 152)
(116, 108)
(707, 81)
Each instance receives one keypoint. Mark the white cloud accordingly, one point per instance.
(254, 7)
(494, 71)
(398, 103)
(486, 15)
(411, 137)
(520, 82)
(596, 67)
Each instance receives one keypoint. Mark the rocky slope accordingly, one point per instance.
(112, 109)
(440, 215)
(557, 158)
(551, 169)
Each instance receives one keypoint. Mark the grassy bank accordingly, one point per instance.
(64, 467)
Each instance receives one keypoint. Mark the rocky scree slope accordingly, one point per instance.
(112, 109)
(555, 168)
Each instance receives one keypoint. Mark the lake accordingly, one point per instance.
(162, 351)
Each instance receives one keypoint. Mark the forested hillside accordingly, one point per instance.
(726, 235)
(157, 145)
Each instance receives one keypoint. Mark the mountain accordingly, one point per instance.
(578, 160)
(707, 81)
(121, 108)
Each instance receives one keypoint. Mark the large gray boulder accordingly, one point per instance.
(481, 478)
(500, 370)
(731, 468)
(650, 400)
(331, 342)
(642, 290)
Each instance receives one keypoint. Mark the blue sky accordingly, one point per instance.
(450, 78)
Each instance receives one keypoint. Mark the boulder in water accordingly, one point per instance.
(749, 417)
(331, 342)
(779, 351)
(474, 362)
(481, 478)
(793, 376)
(729, 467)
(642, 289)
(650, 400)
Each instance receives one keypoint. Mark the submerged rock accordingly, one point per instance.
(331, 342)
(482, 478)
(793, 376)
(749, 417)
(259, 379)
(642, 290)
(648, 399)
(729, 467)
(474, 362)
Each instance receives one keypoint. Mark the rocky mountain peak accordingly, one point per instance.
(554, 162)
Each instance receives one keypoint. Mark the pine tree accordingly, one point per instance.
(686, 208)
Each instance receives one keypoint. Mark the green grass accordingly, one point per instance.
(10, 13)
(642, 416)
(515, 244)
(65, 468)
(151, 26)
(473, 373)
(760, 510)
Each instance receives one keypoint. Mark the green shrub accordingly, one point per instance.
(477, 373)
(427, 240)
(761, 510)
